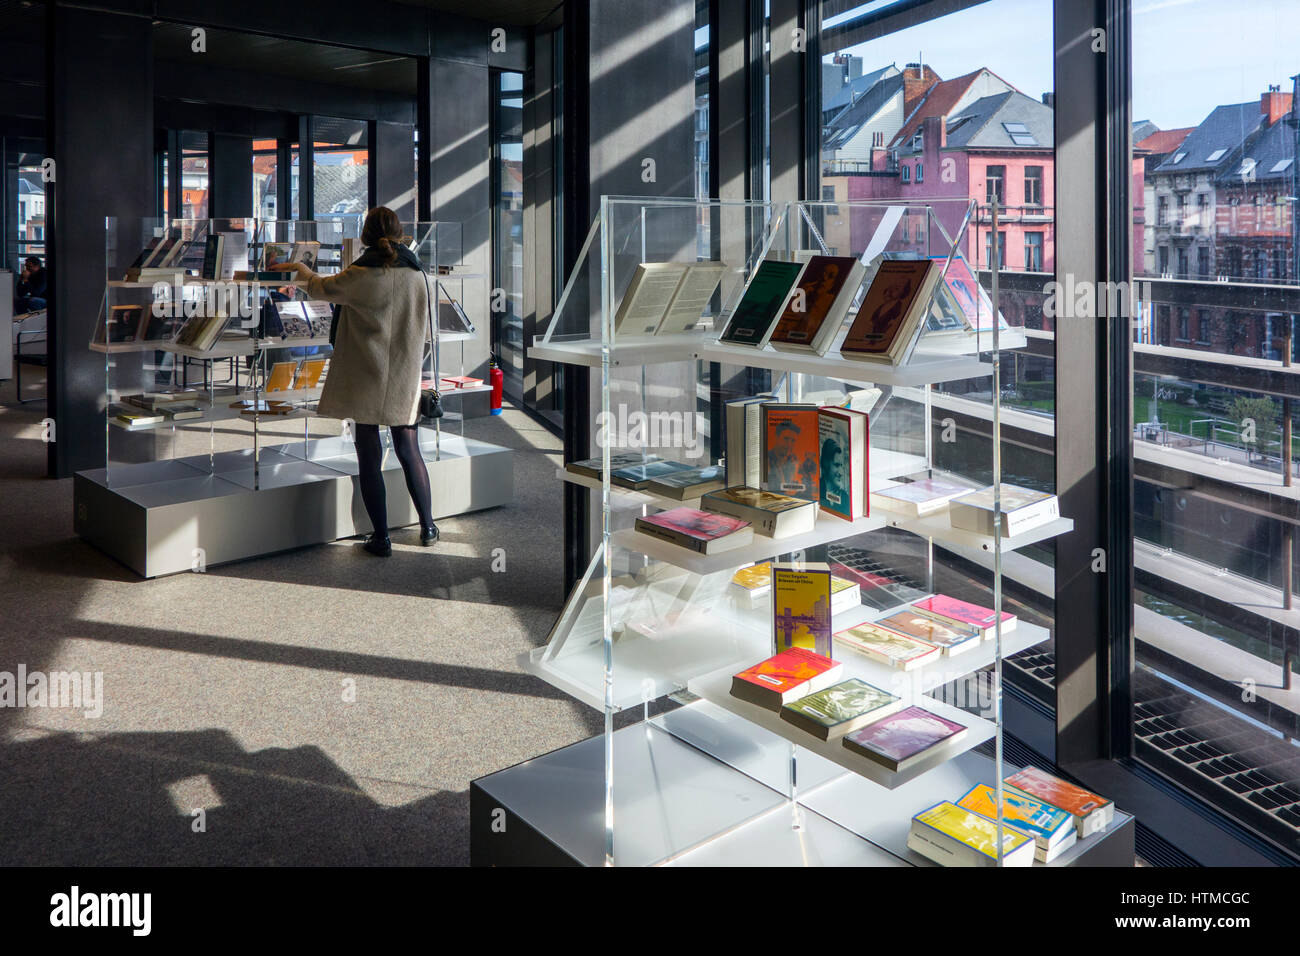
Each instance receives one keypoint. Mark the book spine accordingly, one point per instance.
(763, 522)
(672, 537)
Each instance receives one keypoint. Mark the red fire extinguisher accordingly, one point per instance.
(498, 379)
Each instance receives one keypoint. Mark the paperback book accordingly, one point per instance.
(952, 836)
(590, 467)
(771, 514)
(688, 484)
(790, 452)
(801, 606)
(893, 311)
(700, 531)
(760, 306)
(1092, 813)
(1023, 509)
(744, 430)
(840, 709)
(1051, 828)
(952, 639)
(949, 610)
(638, 476)
(916, 499)
(816, 308)
(844, 465)
(902, 740)
(888, 647)
(784, 677)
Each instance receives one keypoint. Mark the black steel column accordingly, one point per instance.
(283, 179)
(424, 140)
(175, 178)
(230, 176)
(392, 173)
(100, 135)
(306, 168)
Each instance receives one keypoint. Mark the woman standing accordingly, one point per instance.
(374, 374)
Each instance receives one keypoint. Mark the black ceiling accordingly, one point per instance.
(518, 13)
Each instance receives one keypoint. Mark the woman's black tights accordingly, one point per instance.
(370, 455)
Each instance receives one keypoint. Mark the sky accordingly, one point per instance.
(1188, 55)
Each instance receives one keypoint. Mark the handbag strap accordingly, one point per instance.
(433, 342)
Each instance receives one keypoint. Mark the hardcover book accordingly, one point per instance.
(886, 326)
(900, 740)
(699, 531)
(816, 308)
(840, 709)
(752, 321)
(843, 466)
(949, 610)
(791, 460)
(919, 498)
(1051, 828)
(745, 440)
(785, 677)
(951, 638)
(801, 606)
(1091, 812)
(888, 647)
(771, 514)
(951, 836)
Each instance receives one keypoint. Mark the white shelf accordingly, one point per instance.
(643, 496)
(115, 348)
(922, 370)
(294, 342)
(218, 351)
(456, 337)
(472, 390)
(827, 529)
(938, 527)
(627, 350)
(716, 689)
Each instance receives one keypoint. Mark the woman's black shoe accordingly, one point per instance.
(428, 535)
(379, 545)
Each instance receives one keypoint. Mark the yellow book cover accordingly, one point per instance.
(753, 577)
(840, 584)
(310, 373)
(801, 606)
(972, 829)
(280, 378)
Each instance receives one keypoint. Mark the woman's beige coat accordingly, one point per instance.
(374, 374)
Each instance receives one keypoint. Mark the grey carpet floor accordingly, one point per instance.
(224, 692)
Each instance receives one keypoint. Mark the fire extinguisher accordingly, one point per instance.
(498, 379)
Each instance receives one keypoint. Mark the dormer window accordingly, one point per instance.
(1215, 156)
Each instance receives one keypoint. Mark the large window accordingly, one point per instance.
(507, 228)
(340, 178)
(1214, 445)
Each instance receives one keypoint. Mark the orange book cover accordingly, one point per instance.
(1053, 790)
(310, 373)
(787, 670)
(821, 283)
(792, 465)
(281, 376)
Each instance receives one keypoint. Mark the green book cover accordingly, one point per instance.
(761, 304)
(840, 703)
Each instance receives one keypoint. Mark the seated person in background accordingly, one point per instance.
(29, 290)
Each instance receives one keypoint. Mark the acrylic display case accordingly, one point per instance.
(653, 633)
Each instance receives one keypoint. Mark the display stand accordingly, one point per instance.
(199, 473)
(657, 629)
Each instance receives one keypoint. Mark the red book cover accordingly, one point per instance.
(702, 525)
(820, 284)
(961, 611)
(785, 671)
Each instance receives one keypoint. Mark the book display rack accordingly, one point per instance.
(765, 373)
(214, 360)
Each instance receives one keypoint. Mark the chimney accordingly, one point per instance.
(917, 80)
(934, 133)
(1049, 99)
(1274, 104)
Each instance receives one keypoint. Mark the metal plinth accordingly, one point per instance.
(168, 516)
(676, 804)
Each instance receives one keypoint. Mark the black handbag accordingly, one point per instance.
(430, 398)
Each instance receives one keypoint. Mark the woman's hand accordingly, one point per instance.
(302, 270)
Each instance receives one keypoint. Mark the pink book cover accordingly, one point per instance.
(905, 734)
(704, 525)
(962, 611)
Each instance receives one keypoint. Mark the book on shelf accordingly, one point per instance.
(691, 483)
(952, 639)
(892, 314)
(785, 677)
(663, 297)
(844, 465)
(772, 515)
(214, 255)
(147, 253)
(815, 311)
(294, 323)
(250, 406)
(952, 836)
(136, 417)
(888, 647)
(169, 274)
(124, 322)
(902, 740)
(700, 531)
(761, 304)
(182, 411)
(451, 317)
(637, 476)
(840, 709)
(157, 401)
(790, 454)
(1051, 828)
(949, 610)
(744, 431)
(310, 373)
(155, 328)
(280, 378)
(275, 255)
(265, 275)
(590, 467)
(801, 606)
(461, 381)
(856, 399)
(234, 253)
(200, 332)
(693, 295)
(319, 316)
(752, 584)
(1091, 813)
(963, 298)
(916, 499)
(1023, 509)
(846, 595)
